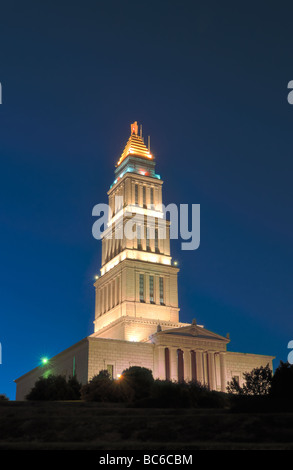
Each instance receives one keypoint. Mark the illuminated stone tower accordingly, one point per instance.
(136, 307)
(137, 289)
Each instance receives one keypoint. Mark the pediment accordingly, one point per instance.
(193, 331)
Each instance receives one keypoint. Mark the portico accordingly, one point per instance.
(191, 354)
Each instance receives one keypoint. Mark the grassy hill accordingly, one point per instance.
(80, 425)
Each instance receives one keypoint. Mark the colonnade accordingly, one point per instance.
(204, 366)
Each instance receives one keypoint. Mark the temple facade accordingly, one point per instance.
(136, 304)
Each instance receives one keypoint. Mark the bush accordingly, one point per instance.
(250, 403)
(202, 397)
(3, 397)
(137, 388)
(139, 380)
(166, 394)
(102, 388)
(98, 388)
(55, 387)
(282, 386)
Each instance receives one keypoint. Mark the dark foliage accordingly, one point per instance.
(137, 388)
(278, 397)
(257, 382)
(139, 380)
(202, 397)
(55, 387)
(102, 388)
(282, 387)
(166, 394)
(3, 398)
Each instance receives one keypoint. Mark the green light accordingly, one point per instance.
(45, 360)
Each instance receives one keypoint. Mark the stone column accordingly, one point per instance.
(223, 371)
(180, 362)
(173, 364)
(199, 367)
(159, 364)
(98, 303)
(187, 365)
(211, 370)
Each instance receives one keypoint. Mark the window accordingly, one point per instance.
(148, 247)
(141, 288)
(161, 283)
(144, 196)
(136, 194)
(139, 247)
(152, 289)
(110, 369)
(156, 241)
(152, 197)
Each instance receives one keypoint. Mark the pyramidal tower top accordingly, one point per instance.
(136, 156)
(135, 145)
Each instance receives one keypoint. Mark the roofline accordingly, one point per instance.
(84, 340)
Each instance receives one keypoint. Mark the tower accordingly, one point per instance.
(137, 289)
(136, 306)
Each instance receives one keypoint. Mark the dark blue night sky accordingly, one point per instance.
(208, 82)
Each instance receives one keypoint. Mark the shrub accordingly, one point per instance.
(55, 387)
(102, 388)
(3, 397)
(98, 388)
(139, 379)
(282, 386)
(166, 394)
(202, 397)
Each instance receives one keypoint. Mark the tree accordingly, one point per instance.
(55, 387)
(98, 388)
(234, 387)
(139, 379)
(103, 388)
(282, 384)
(3, 397)
(257, 382)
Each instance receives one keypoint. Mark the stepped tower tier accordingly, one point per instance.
(137, 289)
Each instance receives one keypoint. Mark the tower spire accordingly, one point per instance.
(134, 128)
